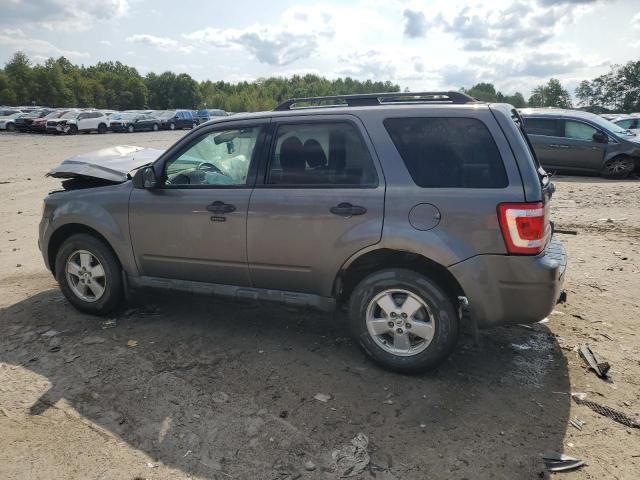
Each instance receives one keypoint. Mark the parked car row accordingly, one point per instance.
(580, 142)
(71, 121)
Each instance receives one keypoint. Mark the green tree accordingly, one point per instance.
(584, 93)
(19, 72)
(550, 95)
(485, 92)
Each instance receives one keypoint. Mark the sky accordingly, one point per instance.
(422, 45)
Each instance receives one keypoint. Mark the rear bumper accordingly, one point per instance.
(510, 289)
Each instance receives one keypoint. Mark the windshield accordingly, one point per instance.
(124, 116)
(167, 114)
(70, 114)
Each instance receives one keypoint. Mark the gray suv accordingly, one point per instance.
(581, 142)
(412, 212)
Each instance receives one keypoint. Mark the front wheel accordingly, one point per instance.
(403, 320)
(130, 128)
(155, 127)
(172, 126)
(194, 125)
(11, 127)
(73, 130)
(618, 167)
(89, 274)
(102, 128)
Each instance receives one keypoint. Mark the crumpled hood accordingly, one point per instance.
(112, 164)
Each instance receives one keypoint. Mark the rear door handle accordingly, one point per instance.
(221, 207)
(345, 209)
(555, 145)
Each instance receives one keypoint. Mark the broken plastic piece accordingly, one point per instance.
(559, 462)
(601, 368)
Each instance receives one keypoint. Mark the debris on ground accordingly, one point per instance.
(608, 412)
(132, 343)
(72, 357)
(219, 397)
(559, 462)
(601, 368)
(92, 340)
(352, 459)
(322, 397)
(112, 323)
(50, 333)
(577, 423)
(565, 232)
(309, 466)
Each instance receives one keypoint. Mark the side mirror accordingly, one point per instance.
(145, 178)
(600, 137)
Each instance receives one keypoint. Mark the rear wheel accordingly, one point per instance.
(89, 274)
(403, 320)
(618, 167)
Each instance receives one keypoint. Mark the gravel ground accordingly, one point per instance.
(197, 396)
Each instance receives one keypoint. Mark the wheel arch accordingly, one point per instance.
(357, 268)
(64, 232)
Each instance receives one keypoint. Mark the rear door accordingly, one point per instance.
(321, 200)
(544, 134)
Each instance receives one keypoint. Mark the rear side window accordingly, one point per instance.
(541, 126)
(321, 154)
(448, 152)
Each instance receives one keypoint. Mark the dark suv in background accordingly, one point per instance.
(581, 142)
(176, 119)
(413, 212)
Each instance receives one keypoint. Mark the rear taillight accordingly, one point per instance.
(524, 227)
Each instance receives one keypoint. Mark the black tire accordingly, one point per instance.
(131, 128)
(113, 293)
(102, 128)
(156, 127)
(172, 126)
(73, 130)
(618, 167)
(442, 309)
(11, 127)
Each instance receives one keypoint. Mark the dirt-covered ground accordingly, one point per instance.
(187, 387)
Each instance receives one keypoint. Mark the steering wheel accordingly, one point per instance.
(210, 166)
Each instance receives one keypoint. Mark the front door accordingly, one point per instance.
(321, 201)
(193, 227)
(576, 149)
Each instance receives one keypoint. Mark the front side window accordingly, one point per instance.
(217, 158)
(578, 130)
(448, 152)
(321, 154)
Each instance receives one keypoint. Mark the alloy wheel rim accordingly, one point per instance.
(400, 322)
(86, 276)
(618, 166)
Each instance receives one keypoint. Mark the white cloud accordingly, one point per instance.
(61, 15)
(40, 50)
(105, 42)
(161, 43)
(635, 21)
(296, 37)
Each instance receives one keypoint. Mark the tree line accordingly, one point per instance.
(60, 83)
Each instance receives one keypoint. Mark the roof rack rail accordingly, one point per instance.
(373, 99)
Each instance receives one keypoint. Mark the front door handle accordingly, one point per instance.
(555, 145)
(345, 209)
(221, 207)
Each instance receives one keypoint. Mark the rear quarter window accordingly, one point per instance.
(448, 152)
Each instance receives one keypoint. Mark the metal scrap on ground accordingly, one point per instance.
(601, 368)
(353, 459)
